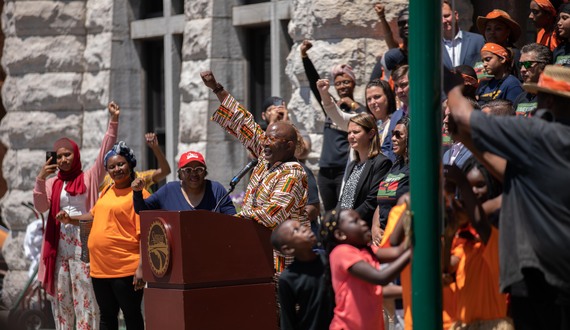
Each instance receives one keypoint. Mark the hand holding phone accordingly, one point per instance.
(53, 156)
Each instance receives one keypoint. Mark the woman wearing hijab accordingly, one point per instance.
(62, 272)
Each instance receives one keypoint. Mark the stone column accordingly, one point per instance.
(64, 61)
(211, 42)
(44, 63)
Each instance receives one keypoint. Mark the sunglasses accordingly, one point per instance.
(189, 170)
(397, 134)
(529, 64)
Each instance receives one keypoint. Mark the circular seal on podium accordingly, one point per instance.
(159, 247)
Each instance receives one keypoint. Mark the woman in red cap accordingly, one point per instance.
(63, 272)
(497, 63)
(192, 192)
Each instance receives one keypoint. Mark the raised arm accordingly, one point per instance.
(235, 119)
(139, 202)
(163, 167)
(97, 171)
(366, 272)
(340, 118)
(42, 189)
(387, 30)
(310, 71)
(217, 88)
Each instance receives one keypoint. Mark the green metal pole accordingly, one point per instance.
(425, 150)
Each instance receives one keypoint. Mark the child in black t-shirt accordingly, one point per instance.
(306, 301)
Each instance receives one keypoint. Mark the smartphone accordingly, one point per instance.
(53, 156)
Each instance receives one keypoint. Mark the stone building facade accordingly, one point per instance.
(65, 60)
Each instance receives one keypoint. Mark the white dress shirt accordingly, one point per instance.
(453, 48)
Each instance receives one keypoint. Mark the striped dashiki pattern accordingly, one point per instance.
(274, 194)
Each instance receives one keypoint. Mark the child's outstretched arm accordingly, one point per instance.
(366, 272)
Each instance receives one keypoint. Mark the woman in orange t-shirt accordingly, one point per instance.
(114, 244)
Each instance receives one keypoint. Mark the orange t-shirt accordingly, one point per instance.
(449, 301)
(406, 274)
(477, 278)
(115, 235)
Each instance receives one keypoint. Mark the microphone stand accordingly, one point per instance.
(232, 187)
(235, 181)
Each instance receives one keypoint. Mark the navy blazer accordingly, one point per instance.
(462, 157)
(471, 44)
(374, 171)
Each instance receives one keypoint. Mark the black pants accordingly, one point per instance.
(329, 181)
(535, 304)
(115, 293)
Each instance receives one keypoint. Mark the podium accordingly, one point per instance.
(206, 270)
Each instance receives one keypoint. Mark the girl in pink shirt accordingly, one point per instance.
(355, 271)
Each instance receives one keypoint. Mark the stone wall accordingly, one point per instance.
(64, 61)
(211, 43)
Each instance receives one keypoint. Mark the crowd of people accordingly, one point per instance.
(504, 246)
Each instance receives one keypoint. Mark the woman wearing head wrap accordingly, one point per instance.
(543, 15)
(561, 54)
(114, 243)
(503, 85)
(62, 272)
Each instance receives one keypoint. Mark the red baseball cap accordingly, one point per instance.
(191, 156)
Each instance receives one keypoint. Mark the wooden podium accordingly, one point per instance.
(206, 270)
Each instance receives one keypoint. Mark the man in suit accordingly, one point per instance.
(457, 153)
(463, 47)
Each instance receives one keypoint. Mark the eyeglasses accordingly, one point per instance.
(189, 170)
(397, 134)
(529, 64)
(344, 82)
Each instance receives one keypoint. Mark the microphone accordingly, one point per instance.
(235, 181)
(243, 172)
